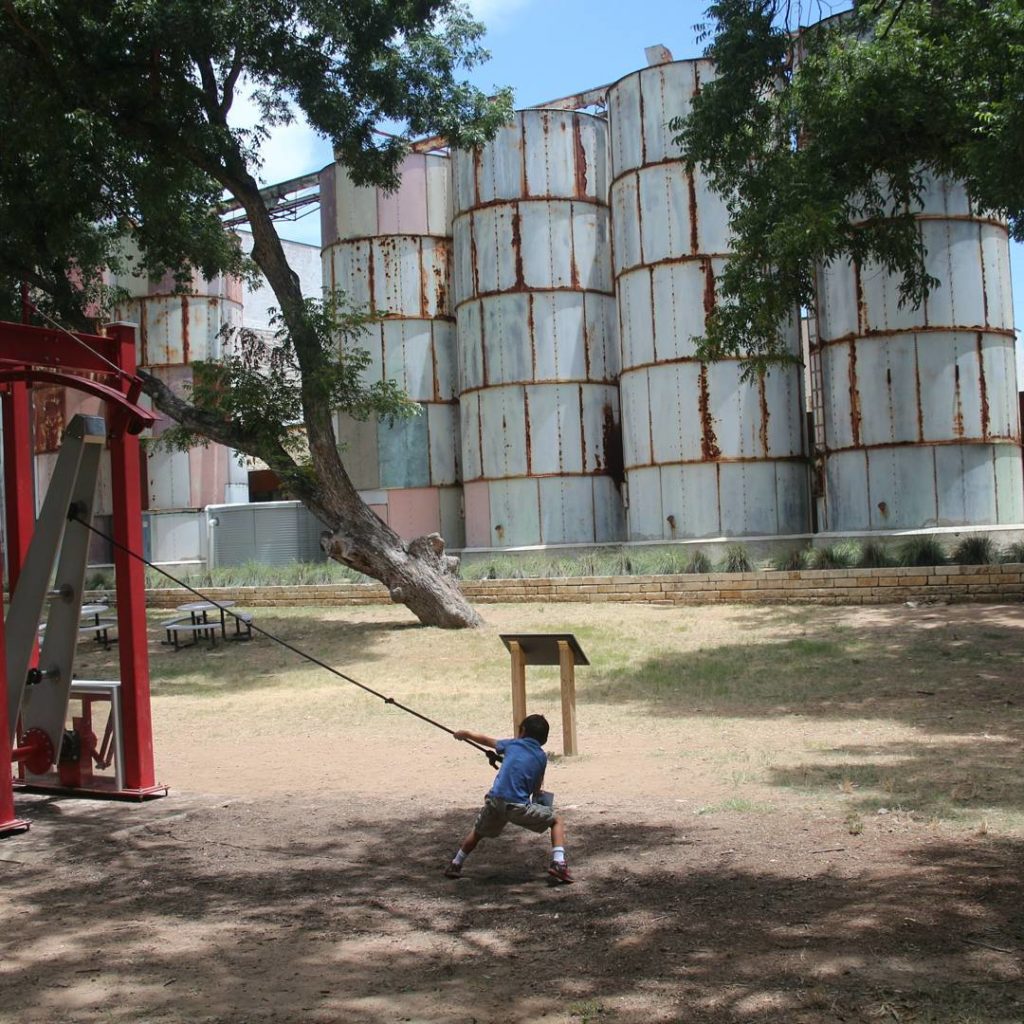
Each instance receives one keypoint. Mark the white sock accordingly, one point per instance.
(459, 857)
(558, 854)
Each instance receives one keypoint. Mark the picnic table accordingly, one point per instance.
(94, 624)
(200, 624)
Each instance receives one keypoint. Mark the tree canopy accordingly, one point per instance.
(115, 117)
(822, 142)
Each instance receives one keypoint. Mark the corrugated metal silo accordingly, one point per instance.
(392, 252)
(537, 342)
(175, 330)
(920, 409)
(705, 454)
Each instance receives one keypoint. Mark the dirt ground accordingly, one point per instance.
(778, 814)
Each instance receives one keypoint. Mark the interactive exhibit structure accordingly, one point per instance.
(46, 562)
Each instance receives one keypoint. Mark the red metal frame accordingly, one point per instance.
(30, 354)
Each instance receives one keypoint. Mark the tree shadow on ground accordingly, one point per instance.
(191, 917)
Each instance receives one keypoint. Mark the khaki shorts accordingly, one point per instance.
(497, 813)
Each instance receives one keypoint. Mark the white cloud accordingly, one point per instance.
(495, 13)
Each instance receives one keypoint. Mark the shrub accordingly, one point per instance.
(736, 559)
(835, 556)
(791, 560)
(921, 551)
(874, 555)
(975, 551)
(699, 563)
(1015, 552)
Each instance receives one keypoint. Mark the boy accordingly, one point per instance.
(517, 787)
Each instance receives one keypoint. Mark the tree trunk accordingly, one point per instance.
(418, 574)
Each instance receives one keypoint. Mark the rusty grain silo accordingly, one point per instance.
(538, 349)
(919, 405)
(706, 455)
(391, 252)
(174, 330)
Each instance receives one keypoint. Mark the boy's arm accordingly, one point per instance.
(476, 737)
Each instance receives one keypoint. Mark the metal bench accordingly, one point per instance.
(99, 630)
(243, 625)
(175, 627)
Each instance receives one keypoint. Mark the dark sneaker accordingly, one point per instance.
(559, 874)
(453, 870)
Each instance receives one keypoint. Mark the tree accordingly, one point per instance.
(822, 141)
(140, 92)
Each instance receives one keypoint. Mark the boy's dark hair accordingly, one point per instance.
(536, 727)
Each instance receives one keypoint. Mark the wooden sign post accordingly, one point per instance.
(560, 649)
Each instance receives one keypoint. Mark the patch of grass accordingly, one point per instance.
(921, 551)
(737, 559)
(835, 556)
(736, 805)
(874, 555)
(587, 1010)
(791, 561)
(975, 551)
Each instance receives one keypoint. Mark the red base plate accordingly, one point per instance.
(14, 825)
(99, 788)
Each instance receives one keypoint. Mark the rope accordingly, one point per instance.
(492, 756)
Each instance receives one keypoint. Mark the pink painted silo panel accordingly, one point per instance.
(414, 512)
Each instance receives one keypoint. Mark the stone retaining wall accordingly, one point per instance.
(945, 583)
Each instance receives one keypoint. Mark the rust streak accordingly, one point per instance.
(709, 288)
(529, 437)
(983, 386)
(574, 270)
(984, 283)
(424, 284)
(143, 336)
(583, 431)
(709, 441)
(474, 262)
(580, 158)
(691, 188)
(958, 407)
(854, 395)
(765, 412)
(517, 247)
(184, 329)
(862, 315)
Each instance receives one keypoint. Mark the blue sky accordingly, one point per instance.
(545, 49)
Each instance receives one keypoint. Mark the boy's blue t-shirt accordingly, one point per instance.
(521, 771)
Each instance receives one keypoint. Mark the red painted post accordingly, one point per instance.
(8, 822)
(19, 478)
(126, 481)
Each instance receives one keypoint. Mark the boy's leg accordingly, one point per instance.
(469, 844)
(558, 870)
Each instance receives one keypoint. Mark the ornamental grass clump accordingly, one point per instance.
(874, 555)
(736, 559)
(791, 561)
(835, 556)
(921, 551)
(698, 563)
(975, 550)
(1014, 552)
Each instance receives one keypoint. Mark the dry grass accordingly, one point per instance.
(837, 710)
